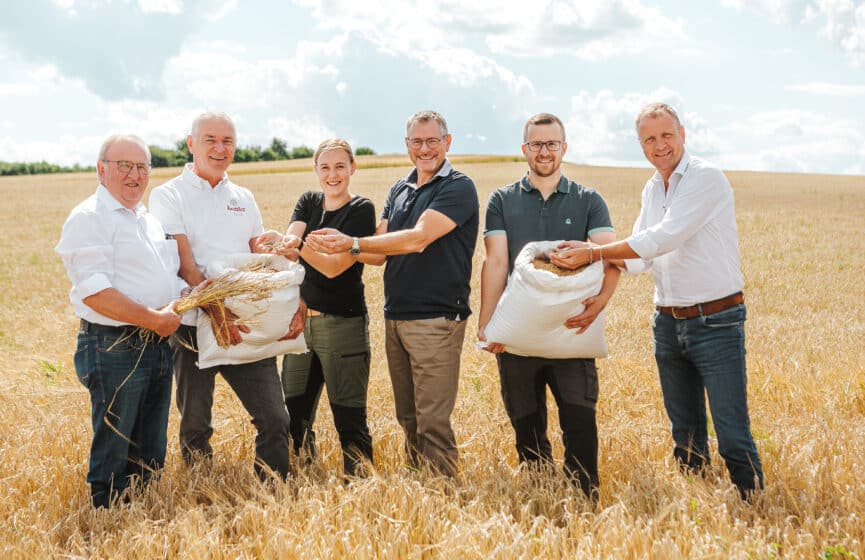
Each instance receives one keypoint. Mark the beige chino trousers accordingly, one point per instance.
(423, 357)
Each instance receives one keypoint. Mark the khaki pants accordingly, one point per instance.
(423, 357)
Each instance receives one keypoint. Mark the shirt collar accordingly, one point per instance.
(445, 170)
(104, 196)
(563, 187)
(196, 180)
(680, 170)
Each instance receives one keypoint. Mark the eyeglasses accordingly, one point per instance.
(126, 166)
(552, 145)
(417, 143)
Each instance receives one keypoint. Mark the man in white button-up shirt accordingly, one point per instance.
(124, 275)
(686, 235)
(210, 217)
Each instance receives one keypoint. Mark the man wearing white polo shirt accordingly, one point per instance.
(210, 217)
(686, 235)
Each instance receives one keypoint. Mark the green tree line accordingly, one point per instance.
(177, 156)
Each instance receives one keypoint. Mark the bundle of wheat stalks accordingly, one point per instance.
(253, 283)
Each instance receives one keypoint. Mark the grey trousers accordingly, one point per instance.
(423, 358)
(257, 386)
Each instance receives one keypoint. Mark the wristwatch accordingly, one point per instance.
(355, 246)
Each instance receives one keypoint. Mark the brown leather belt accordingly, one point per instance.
(706, 308)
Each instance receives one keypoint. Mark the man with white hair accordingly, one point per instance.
(210, 217)
(124, 278)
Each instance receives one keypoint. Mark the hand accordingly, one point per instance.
(297, 323)
(492, 347)
(265, 242)
(166, 321)
(189, 290)
(328, 241)
(594, 306)
(569, 255)
(225, 329)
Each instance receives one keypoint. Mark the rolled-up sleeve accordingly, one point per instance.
(87, 254)
(695, 204)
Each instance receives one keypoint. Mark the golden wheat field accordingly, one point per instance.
(803, 255)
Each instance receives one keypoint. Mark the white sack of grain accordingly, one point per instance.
(267, 319)
(530, 316)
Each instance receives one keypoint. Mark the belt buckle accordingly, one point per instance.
(673, 313)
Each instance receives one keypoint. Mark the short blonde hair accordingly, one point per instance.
(656, 110)
(333, 144)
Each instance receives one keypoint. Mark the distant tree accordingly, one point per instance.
(364, 151)
(249, 153)
(279, 149)
(301, 152)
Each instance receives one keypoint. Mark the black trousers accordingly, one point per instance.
(574, 384)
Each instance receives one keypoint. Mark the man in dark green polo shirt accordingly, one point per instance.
(546, 206)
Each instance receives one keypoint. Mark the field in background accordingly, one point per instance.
(803, 254)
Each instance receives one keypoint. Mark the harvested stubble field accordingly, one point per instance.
(803, 258)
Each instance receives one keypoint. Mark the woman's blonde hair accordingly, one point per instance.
(333, 144)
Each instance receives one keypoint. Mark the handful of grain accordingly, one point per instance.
(544, 264)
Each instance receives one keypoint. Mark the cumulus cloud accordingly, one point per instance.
(586, 29)
(601, 128)
(109, 45)
(841, 22)
(305, 131)
(827, 88)
(792, 140)
(18, 89)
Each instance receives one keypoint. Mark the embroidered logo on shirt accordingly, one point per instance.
(568, 221)
(234, 206)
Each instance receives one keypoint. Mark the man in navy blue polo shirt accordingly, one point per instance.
(428, 231)
(546, 206)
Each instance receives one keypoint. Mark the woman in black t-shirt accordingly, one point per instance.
(336, 327)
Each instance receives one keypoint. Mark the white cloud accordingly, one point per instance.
(83, 39)
(827, 88)
(601, 131)
(432, 34)
(218, 77)
(173, 7)
(155, 122)
(65, 150)
(306, 131)
(841, 22)
(18, 90)
(791, 140)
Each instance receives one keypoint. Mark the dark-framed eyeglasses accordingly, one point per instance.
(536, 146)
(417, 143)
(125, 166)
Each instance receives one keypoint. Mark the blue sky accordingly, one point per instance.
(775, 85)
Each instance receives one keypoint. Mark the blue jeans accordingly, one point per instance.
(706, 356)
(130, 395)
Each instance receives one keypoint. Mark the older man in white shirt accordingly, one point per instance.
(686, 235)
(210, 217)
(124, 276)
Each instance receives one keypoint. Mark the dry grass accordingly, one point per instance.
(803, 258)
